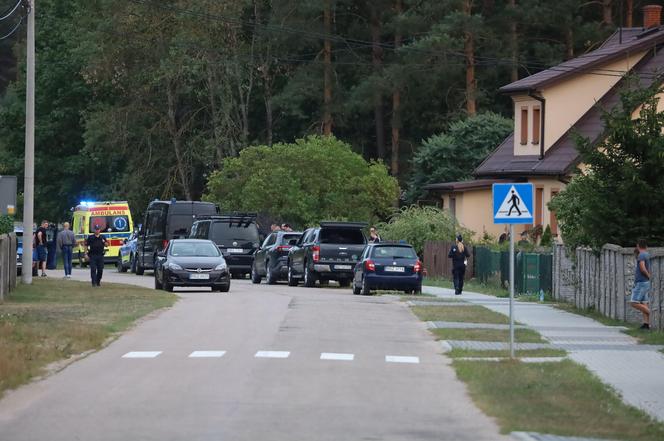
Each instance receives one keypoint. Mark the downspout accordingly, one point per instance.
(542, 101)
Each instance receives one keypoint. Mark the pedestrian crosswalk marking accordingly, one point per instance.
(272, 354)
(401, 359)
(335, 356)
(142, 354)
(207, 354)
(513, 206)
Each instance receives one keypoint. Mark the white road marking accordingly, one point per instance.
(334, 356)
(207, 354)
(272, 354)
(399, 359)
(142, 354)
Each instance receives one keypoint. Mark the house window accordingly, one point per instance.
(553, 220)
(536, 125)
(524, 125)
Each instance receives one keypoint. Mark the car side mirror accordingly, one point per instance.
(125, 241)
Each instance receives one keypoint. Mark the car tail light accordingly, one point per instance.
(418, 266)
(164, 244)
(315, 253)
(369, 265)
(283, 248)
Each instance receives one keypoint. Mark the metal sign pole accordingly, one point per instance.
(511, 291)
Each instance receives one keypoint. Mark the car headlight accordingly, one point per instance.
(220, 267)
(174, 266)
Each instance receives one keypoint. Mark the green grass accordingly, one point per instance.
(520, 335)
(557, 398)
(52, 320)
(456, 353)
(650, 337)
(470, 314)
(471, 285)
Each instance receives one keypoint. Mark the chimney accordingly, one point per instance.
(652, 16)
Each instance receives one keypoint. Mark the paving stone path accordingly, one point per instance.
(612, 355)
(533, 436)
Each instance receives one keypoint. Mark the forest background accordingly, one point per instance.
(141, 99)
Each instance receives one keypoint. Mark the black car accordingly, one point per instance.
(191, 262)
(392, 266)
(327, 252)
(166, 220)
(271, 259)
(236, 235)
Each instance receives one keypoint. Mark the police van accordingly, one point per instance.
(113, 219)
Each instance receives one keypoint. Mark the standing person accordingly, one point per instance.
(66, 242)
(94, 245)
(641, 290)
(286, 227)
(459, 255)
(275, 228)
(40, 244)
(373, 235)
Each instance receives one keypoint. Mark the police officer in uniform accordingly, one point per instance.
(95, 248)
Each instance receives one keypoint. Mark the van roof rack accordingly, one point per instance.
(242, 219)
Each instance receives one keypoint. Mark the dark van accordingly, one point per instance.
(166, 220)
(236, 235)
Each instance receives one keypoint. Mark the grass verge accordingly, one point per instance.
(470, 314)
(561, 398)
(520, 335)
(52, 320)
(456, 353)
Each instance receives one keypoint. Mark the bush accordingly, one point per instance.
(313, 179)
(547, 237)
(6, 224)
(416, 225)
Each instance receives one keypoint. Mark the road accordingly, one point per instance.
(263, 377)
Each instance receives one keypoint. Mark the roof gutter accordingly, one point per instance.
(532, 94)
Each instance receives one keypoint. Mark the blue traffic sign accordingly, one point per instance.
(513, 203)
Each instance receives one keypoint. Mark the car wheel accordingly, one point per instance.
(309, 278)
(225, 288)
(344, 283)
(168, 287)
(269, 277)
(139, 268)
(365, 291)
(255, 277)
(132, 263)
(157, 283)
(356, 289)
(324, 282)
(292, 281)
(119, 265)
(417, 290)
(408, 291)
(81, 261)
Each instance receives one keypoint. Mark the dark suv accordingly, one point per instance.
(327, 252)
(271, 259)
(236, 235)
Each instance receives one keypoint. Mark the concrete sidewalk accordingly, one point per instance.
(637, 375)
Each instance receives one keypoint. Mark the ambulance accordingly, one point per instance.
(114, 220)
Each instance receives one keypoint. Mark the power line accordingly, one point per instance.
(14, 29)
(8, 14)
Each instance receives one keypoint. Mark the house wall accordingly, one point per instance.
(568, 101)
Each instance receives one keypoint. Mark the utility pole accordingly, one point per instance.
(29, 173)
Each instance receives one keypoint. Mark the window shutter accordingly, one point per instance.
(524, 125)
(536, 125)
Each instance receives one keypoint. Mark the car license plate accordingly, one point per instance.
(199, 276)
(342, 267)
(235, 250)
(395, 269)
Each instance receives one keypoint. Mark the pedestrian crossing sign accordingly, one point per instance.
(513, 203)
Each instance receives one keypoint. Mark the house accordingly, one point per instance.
(549, 108)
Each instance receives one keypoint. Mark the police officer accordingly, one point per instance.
(459, 255)
(95, 246)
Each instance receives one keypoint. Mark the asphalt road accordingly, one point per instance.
(292, 392)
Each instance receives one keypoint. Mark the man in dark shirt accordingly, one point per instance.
(95, 246)
(40, 244)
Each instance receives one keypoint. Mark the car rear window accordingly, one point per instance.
(286, 238)
(347, 236)
(394, 252)
(222, 231)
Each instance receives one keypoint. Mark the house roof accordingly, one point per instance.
(476, 184)
(562, 156)
(633, 41)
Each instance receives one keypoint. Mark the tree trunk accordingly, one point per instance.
(607, 12)
(396, 101)
(569, 43)
(469, 51)
(327, 62)
(268, 111)
(176, 139)
(630, 14)
(377, 61)
(214, 114)
(514, 43)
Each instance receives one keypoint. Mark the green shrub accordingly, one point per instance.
(6, 224)
(416, 225)
(547, 237)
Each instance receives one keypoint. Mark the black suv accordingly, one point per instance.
(236, 235)
(271, 259)
(327, 252)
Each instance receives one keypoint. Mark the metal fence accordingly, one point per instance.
(7, 264)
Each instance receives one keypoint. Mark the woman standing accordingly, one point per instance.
(373, 235)
(459, 255)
